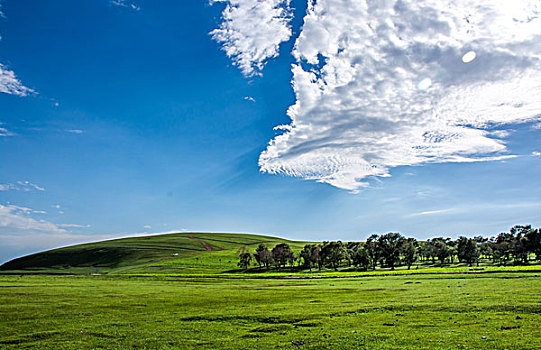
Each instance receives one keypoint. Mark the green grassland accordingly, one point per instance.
(393, 312)
(185, 291)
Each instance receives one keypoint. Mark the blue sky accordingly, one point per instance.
(131, 117)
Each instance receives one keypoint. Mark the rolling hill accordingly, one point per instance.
(178, 253)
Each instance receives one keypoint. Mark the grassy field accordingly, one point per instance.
(491, 311)
(185, 291)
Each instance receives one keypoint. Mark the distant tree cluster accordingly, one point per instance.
(518, 246)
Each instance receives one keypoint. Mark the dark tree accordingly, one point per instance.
(533, 242)
(389, 245)
(409, 251)
(282, 254)
(316, 256)
(263, 256)
(244, 260)
(520, 246)
(467, 250)
(439, 248)
(257, 255)
(361, 258)
(306, 256)
(332, 254)
(502, 246)
(373, 250)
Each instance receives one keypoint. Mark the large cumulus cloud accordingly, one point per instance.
(380, 84)
(387, 83)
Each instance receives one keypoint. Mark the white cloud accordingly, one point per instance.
(536, 154)
(126, 3)
(75, 131)
(249, 98)
(9, 84)
(5, 132)
(148, 227)
(24, 186)
(500, 133)
(15, 218)
(252, 30)
(431, 212)
(359, 110)
(73, 226)
(22, 233)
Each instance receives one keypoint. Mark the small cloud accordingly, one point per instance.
(61, 212)
(9, 84)
(423, 194)
(431, 212)
(249, 98)
(148, 227)
(56, 104)
(536, 154)
(251, 31)
(57, 206)
(500, 133)
(5, 132)
(410, 174)
(15, 217)
(24, 186)
(126, 4)
(537, 126)
(75, 131)
(73, 225)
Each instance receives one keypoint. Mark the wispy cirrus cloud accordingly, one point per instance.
(23, 230)
(431, 212)
(252, 30)
(15, 218)
(10, 84)
(24, 186)
(126, 3)
(5, 132)
(390, 83)
(73, 226)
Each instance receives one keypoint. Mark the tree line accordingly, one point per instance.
(518, 246)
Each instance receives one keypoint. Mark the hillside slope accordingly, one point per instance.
(183, 253)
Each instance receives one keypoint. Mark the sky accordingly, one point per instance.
(309, 120)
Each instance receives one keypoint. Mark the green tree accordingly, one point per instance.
(263, 256)
(282, 254)
(520, 243)
(409, 251)
(361, 258)
(373, 250)
(439, 248)
(467, 250)
(306, 255)
(244, 260)
(389, 245)
(533, 242)
(316, 256)
(332, 254)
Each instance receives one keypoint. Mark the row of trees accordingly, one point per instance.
(392, 250)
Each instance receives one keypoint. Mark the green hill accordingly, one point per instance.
(176, 253)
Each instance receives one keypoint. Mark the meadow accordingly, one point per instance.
(186, 291)
(488, 311)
